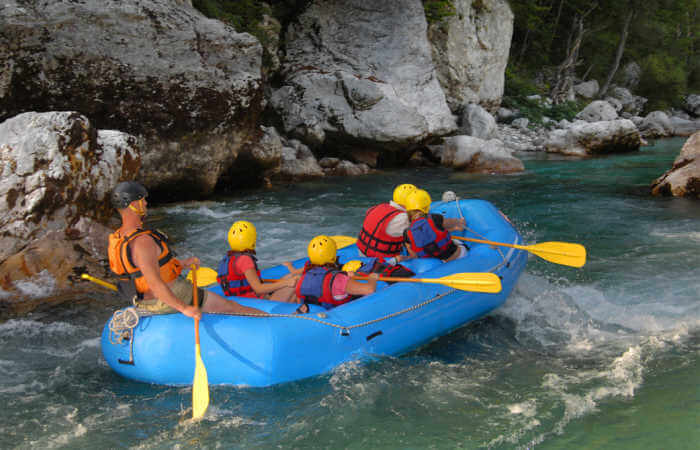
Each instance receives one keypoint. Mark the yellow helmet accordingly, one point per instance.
(401, 193)
(352, 266)
(242, 236)
(322, 250)
(419, 199)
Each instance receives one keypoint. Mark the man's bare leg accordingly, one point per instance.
(215, 303)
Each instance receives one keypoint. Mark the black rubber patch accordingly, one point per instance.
(374, 335)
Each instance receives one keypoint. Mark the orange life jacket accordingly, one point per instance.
(122, 264)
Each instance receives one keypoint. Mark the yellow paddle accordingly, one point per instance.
(98, 281)
(205, 276)
(563, 253)
(474, 282)
(343, 241)
(108, 285)
(200, 385)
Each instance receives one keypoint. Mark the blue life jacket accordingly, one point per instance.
(314, 286)
(428, 241)
(232, 282)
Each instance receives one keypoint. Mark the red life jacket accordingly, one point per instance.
(315, 284)
(428, 241)
(231, 281)
(122, 264)
(373, 239)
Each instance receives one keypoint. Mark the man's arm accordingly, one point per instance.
(397, 225)
(145, 253)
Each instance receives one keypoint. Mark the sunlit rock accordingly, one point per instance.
(470, 50)
(683, 179)
(472, 154)
(583, 139)
(57, 173)
(189, 86)
(359, 73)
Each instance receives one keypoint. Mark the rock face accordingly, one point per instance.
(190, 87)
(683, 179)
(57, 173)
(361, 73)
(470, 50)
(584, 139)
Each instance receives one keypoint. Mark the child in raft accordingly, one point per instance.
(324, 283)
(238, 272)
(428, 236)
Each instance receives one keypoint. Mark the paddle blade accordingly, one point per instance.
(473, 282)
(200, 387)
(98, 281)
(205, 276)
(343, 241)
(565, 253)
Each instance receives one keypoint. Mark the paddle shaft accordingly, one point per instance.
(195, 302)
(481, 241)
(200, 383)
(566, 253)
(98, 281)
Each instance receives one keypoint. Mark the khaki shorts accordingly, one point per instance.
(182, 290)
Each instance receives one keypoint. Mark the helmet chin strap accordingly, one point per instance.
(140, 210)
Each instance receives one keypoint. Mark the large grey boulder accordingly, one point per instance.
(597, 111)
(471, 154)
(692, 104)
(632, 104)
(683, 127)
(361, 73)
(470, 50)
(298, 162)
(188, 86)
(683, 179)
(476, 121)
(587, 89)
(584, 139)
(57, 173)
(656, 124)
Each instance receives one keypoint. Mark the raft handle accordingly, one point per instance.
(345, 332)
(374, 335)
(121, 361)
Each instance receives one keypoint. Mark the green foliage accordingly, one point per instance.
(542, 30)
(243, 15)
(518, 84)
(536, 110)
(437, 10)
(663, 81)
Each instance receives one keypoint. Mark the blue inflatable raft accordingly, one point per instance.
(262, 351)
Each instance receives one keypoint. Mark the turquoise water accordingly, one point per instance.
(607, 356)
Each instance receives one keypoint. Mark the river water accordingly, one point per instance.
(607, 356)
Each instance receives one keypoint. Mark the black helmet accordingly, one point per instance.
(126, 192)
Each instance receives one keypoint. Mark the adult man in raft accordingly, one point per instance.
(383, 227)
(147, 267)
